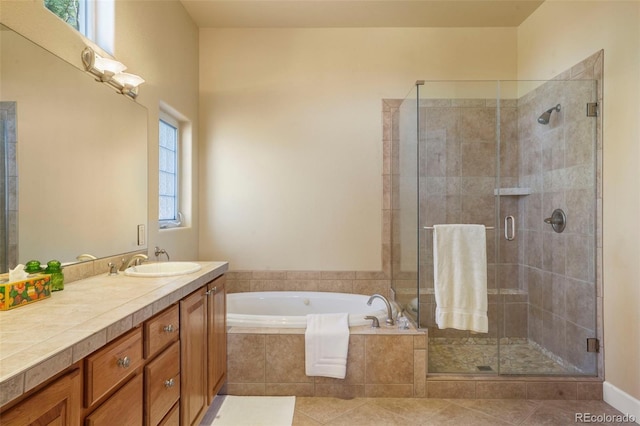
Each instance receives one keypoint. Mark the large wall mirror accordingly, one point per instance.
(78, 151)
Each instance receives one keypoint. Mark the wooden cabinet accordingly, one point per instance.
(124, 407)
(162, 384)
(108, 367)
(193, 357)
(135, 389)
(172, 418)
(161, 330)
(203, 340)
(162, 371)
(58, 403)
(216, 336)
(165, 372)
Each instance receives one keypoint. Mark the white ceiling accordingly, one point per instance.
(359, 13)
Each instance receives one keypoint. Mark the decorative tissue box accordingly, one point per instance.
(18, 293)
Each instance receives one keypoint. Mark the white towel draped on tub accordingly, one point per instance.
(326, 345)
(460, 277)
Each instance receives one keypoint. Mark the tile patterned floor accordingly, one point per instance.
(424, 412)
(514, 359)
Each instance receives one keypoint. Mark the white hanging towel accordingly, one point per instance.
(460, 277)
(326, 345)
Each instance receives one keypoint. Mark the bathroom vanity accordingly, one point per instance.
(147, 351)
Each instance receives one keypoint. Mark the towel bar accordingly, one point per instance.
(489, 228)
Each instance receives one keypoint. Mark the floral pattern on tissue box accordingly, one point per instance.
(18, 293)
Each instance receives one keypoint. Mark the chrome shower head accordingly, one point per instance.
(544, 118)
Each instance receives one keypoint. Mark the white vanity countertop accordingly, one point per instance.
(41, 339)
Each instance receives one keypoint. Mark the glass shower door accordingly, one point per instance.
(458, 168)
(403, 138)
(519, 157)
(547, 274)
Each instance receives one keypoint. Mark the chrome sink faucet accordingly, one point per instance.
(389, 320)
(135, 260)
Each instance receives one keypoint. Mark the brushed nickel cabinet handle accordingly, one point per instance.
(168, 328)
(169, 383)
(124, 362)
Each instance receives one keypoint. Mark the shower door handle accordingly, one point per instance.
(509, 236)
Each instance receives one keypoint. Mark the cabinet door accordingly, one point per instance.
(123, 407)
(193, 359)
(216, 336)
(59, 403)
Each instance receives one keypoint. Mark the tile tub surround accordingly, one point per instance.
(353, 282)
(37, 341)
(384, 362)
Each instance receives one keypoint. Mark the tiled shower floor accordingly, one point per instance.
(447, 356)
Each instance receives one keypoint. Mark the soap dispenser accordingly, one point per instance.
(33, 267)
(57, 277)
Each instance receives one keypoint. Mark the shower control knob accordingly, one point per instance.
(558, 220)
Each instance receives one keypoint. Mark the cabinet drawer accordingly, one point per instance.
(109, 366)
(173, 418)
(123, 407)
(162, 382)
(161, 330)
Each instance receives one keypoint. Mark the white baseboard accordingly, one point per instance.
(621, 401)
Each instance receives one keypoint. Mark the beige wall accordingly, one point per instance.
(556, 36)
(159, 41)
(291, 147)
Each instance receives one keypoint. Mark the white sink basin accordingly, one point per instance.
(162, 269)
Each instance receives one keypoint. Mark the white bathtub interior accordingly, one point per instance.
(288, 309)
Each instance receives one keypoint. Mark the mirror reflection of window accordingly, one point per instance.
(169, 131)
(93, 19)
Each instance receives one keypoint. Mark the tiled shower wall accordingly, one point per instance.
(9, 181)
(560, 162)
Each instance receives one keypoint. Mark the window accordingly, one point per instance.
(69, 11)
(94, 19)
(168, 184)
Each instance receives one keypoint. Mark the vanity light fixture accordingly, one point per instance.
(129, 83)
(111, 72)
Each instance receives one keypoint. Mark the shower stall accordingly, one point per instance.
(9, 186)
(519, 157)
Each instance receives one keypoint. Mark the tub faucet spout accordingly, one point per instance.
(389, 320)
